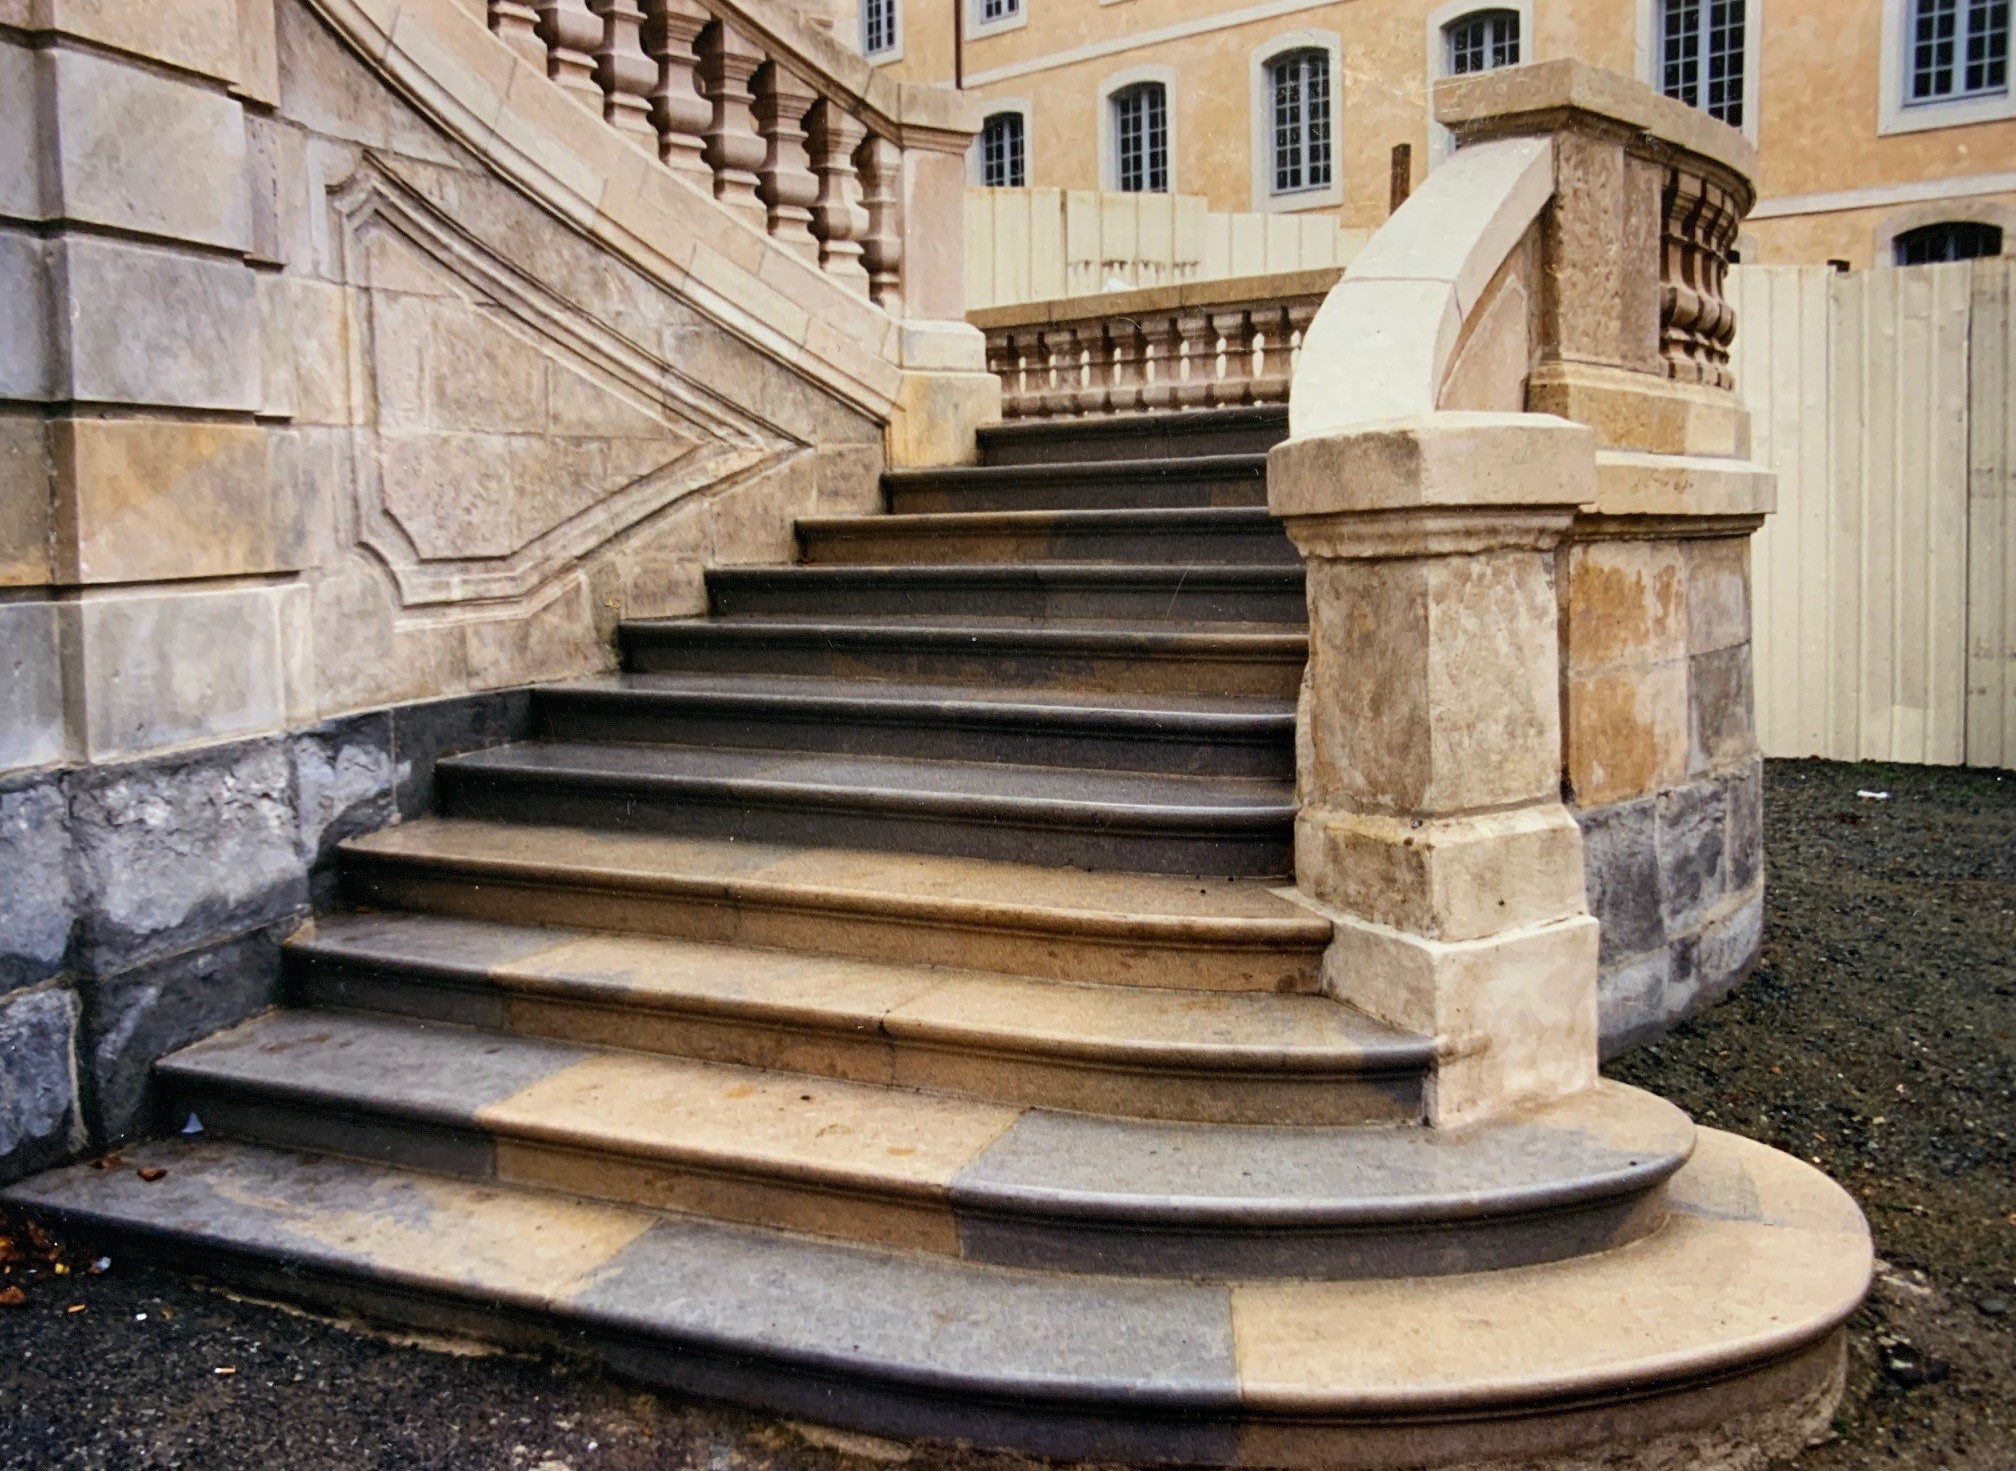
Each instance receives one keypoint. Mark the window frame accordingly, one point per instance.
(989, 107)
(1021, 118)
(1939, 212)
(1898, 113)
(1260, 112)
(1651, 57)
(1441, 142)
(893, 52)
(1109, 141)
(2001, 240)
(979, 27)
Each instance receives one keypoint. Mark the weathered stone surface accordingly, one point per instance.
(174, 853)
(146, 325)
(20, 134)
(140, 152)
(343, 774)
(1727, 948)
(1620, 845)
(31, 686)
(1626, 732)
(1626, 605)
(1743, 843)
(195, 35)
(35, 909)
(1632, 1001)
(39, 1119)
(25, 530)
(27, 336)
(135, 1016)
(1692, 820)
(1718, 593)
(423, 734)
(1721, 709)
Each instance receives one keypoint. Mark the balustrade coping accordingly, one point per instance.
(1226, 291)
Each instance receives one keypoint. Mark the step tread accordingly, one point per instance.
(977, 1009)
(911, 782)
(1100, 518)
(1785, 1250)
(1193, 467)
(1067, 574)
(1051, 636)
(895, 1143)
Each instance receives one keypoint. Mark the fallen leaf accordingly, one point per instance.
(152, 1173)
(224, 1373)
(107, 1162)
(75, 1307)
(13, 1297)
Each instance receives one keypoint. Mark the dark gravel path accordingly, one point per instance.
(1878, 1038)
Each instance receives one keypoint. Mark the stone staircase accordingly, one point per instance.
(886, 1002)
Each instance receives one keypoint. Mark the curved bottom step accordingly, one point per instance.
(1718, 1335)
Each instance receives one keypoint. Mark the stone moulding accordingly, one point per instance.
(710, 443)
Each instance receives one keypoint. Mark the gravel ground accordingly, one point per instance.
(1878, 1039)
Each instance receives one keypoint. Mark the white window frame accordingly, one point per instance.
(978, 27)
(989, 107)
(1898, 114)
(1109, 150)
(1976, 211)
(1441, 142)
(1260, 109)
(894, 52)
(1651, 62)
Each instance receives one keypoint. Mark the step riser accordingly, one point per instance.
(1118, 672)
(870, 543)
(1176, 600)
(705, 913)
(1066, 441)
(1259, 852)
(920, 1217)
(862, 1054)
(922, 735)
(1061, 493)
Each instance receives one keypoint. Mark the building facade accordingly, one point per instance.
(1886, 128)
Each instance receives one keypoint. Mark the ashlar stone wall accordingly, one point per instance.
(314, 434)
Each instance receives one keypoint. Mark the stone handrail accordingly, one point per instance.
(1202, 344)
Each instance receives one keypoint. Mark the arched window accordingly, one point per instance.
(1481, 41)
(1004, 151)
(1141, 138)
(1948, 240)
(1299, 88)
(1703, 46)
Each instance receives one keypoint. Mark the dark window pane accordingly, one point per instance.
(1949, 240)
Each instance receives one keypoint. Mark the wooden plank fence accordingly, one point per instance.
(1886, 584)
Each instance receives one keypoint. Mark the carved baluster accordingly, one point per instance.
(622, 70)
(1300, 315)
(786, 185)
(1096, 394)
(678, 112)
(1067, 357)
(1034, 356)
(1697, 324)
(1270, 372)
(1165, 363)
(838, 218)
(517, 25)
(1003, 363)
(1200, 360)
(880, 163)
(1130, 365)
(572, 32)
(733, 150)
(1235, 383)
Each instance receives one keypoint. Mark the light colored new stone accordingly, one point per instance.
(1487, 460)
(140, 152)
(25, 534)
(31, 686)
(194, 35)
(1514, 1016)
(146, 325)
(1639, 411)
(936, 418)
(1632, 484)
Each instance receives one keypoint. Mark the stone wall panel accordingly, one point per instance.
(146, 325)
(40, 1122)
(1692, 824)
(28, 357)
(1620, 847)
(20, 134)
(1721, 709)
(26, 532)
(36, 913)
(33, 731)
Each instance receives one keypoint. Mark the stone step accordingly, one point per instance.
(1184, 536)
(1720, 1330)
(1207, 480)
(1145, 822)
(1253, 429)
(996, 594)
(921, 1170)
(1115, 657)
(1122, 1050)
(1017, 919)
(1148, 733)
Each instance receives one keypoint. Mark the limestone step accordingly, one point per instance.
(1201, 535)
(1720, 1329)
(1206, 480)
(1114, 657)
(1122, 1050)
(1136, 732)
(925, 1170)
(1150, 930)
(1147, 822)
(1252, 429)
(1148, 594)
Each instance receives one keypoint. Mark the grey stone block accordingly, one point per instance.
(31, 682)
(1743, 845)
(1620, 858)
(179, 853)
(36, 913)
(1728, 948)
(39, 1119)
(423, 734)
(1692, 822)
(137, 1016)
(1631, 1001)
(344, 786)
(1721, 708)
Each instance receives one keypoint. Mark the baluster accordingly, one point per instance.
(1235, 384)
(572, 32)
(1130, 365)
(1200, 360)
(678, 112)
(1270, 372)
(516, 24)
(1033, 373)
(1300, 315)
(1165, 366)
(786, 185)
(733, 150)
(1003, 364)
(838, 218)
(622, 70)
(1096, 397)
(1067, 360)
(880, 163)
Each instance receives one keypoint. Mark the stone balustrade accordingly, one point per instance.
(768, 118)
(1207, 344)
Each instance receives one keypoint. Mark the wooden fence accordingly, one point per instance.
(1044, 244)
(1886, 583)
